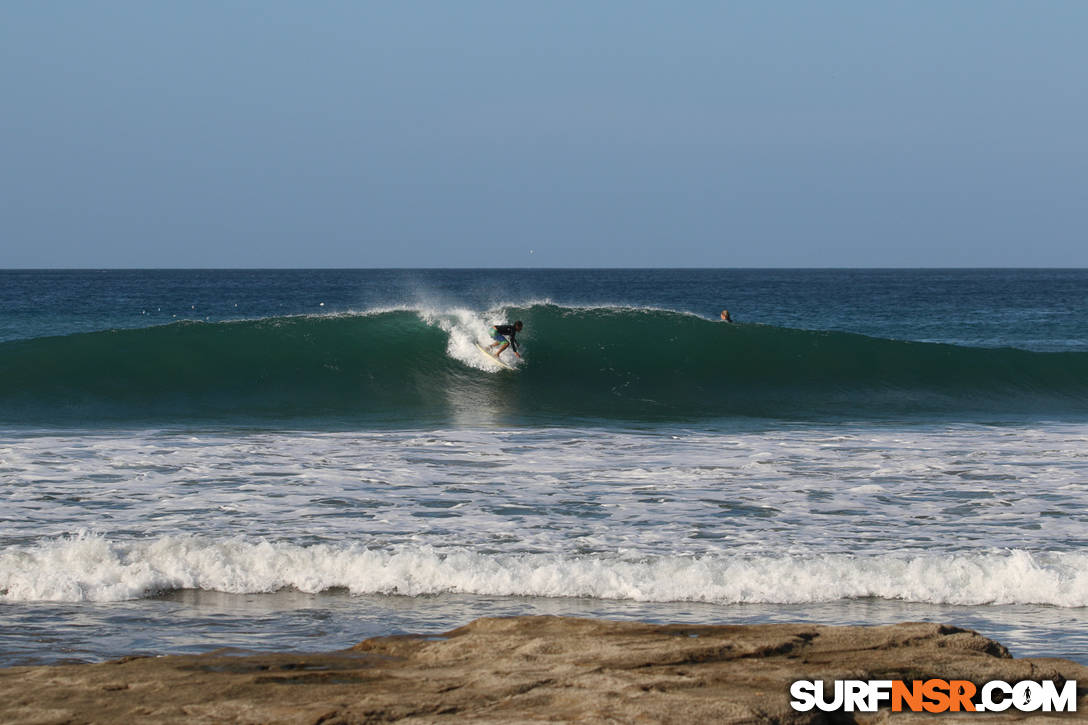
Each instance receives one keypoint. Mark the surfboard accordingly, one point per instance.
(492, 358)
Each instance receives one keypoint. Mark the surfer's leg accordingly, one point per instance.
(504, 346)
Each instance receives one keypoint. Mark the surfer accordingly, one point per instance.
(504, 335)
(726, 317)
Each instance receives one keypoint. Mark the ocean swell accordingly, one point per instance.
(610, 363)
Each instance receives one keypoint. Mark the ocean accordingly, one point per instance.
(300, 459)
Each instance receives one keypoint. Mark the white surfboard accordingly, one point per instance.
(492, 358)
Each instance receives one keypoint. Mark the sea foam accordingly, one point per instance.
(93, 568)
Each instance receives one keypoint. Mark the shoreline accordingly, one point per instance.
(529, 668)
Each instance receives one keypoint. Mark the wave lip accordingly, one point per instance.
(609, 363)
(92, 568)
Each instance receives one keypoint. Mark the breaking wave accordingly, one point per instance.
(92, 568)
(605, 362)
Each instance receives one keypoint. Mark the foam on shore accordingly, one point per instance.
(92, 568)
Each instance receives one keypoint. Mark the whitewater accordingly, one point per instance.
(277, 476)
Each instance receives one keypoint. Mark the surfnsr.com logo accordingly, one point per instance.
(934, 696)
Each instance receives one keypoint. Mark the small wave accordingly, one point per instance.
(92, 568)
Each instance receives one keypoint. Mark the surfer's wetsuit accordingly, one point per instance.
(505, 333)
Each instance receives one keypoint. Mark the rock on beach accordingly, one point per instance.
(531, 669)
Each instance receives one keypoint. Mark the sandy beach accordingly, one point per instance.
(527, 669)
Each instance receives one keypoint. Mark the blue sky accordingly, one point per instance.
(722, 134)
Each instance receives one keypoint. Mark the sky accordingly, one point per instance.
(277, 133)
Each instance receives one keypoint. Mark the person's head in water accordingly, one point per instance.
(726, 317)
(518, 325)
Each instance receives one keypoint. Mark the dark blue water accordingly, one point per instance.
(386, 347)
(300, 458)
(1033, 309)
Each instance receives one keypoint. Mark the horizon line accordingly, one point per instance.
(529, 269)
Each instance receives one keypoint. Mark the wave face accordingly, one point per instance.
(582, 363)
(90, 568)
